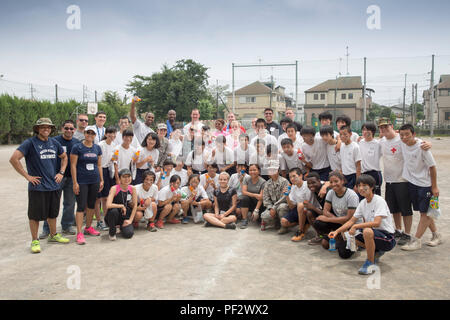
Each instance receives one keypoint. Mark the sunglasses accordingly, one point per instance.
(83, 120)
(91, 133)
(70, 129)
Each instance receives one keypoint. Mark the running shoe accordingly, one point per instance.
(151, 227)
(366, 268)
(299, 235)
(80, 238)
(57, 238)
(174, 221)
(91, 231)
(185, 220)
(159, 224)
(35, 246)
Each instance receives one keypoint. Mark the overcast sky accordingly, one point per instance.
(120, 39)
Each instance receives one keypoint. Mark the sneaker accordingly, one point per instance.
(185, 220)
(101, 225)
(365, 268)
(70, 231)
(404, 239)
(435, 240)
(207, 224)
(231, 225)
(315, 241)
(57, 238)
(80, 238)
(35, 246)
(244, 224)
(174, 221)
(44, 235)
(283, 230)
(263, 226)
(378, 255)
(91, 231)
(397, 234)
(112, 238)
(299, 235)
(414, 244)
(159, 224)
(151, 227)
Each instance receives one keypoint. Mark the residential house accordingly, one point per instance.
(441, 103)
(398, 111)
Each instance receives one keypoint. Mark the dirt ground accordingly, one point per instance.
(193, 262)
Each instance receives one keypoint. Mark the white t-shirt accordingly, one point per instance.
(375, 208)
(288, 162)
(354, 137)
(182, 174)
(209, 190)
(317, 153)
(350, 154)
(198, 126)
(176, 146)
(164, 182)
(298, 195)
(124, 157)
(107, 153)
(222, 158)
(99, 133)
(198, 163)
(144, 195)
(269, 139)
(242, 156)
(370, 155)
(118, 141)
(334, 157)
(235, 183)
(200, 192)
(144, 153)
(417, 164)
(165, 193)
(297, 143)
(141, 130)
(391, 149)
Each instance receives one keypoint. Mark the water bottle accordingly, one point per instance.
(288, 190)
(242, 172)
(332, 243)
(164, 175)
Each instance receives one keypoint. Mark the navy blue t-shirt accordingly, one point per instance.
(41, 158)
(87, 164)
(67, 146)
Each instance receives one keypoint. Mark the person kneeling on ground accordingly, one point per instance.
(147, 193)
(169, 202)
(225, 199)
(194, 197)
(376, 233)
(122, 205)
(273, 197)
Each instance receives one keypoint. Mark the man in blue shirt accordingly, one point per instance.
(44, 188)
(67, 141)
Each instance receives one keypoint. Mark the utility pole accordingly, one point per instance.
(432, 98)
(296, 88)
(217, 98)
(271, 89)
(232, 67)
(347, 58)
(32, 90)
(404, 106)
(335, 99)
(364, 93)
(56, 93)
(413, 103)
(95, 92)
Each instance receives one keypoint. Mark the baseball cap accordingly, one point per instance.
(91, 128)
(384, 121)
(162, 126)
(124, 172)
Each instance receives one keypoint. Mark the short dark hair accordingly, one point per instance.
(124, 117)
(291, 125)
(256, 165)
(110, 129)
(326, 115)
(193, 176)
(268, 109)
(296, 170)
(99, 112)
(326, 130)
(154, 136)
(271, 148)
(128, 133)
(370, 126)
(286, 141)
(308, 130)
(261, 120)
(213, 165)
(366, 179)
(174, 178)
(168, 162)
(344, 118)
(286, 120)
(148, 173)
(407, 126)
(313, 174)
(68, 121)
(337, 174)
(346, 128)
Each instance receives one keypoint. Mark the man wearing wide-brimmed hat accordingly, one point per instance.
(44, 176)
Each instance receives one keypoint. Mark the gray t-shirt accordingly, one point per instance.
(253, 188)
(340, 205)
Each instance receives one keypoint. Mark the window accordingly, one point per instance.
(343, 96)
(250, 99)
(316, 96)
(350, 95)
(447, 116)
(322, 96)
(443, 92)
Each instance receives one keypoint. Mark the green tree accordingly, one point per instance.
(180, 87)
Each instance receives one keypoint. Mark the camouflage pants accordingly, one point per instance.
(281, 209)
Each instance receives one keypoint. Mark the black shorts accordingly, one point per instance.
(351, 180)
(420, 197)
(324, 173)
(378, 180)
(43, 205)
(384, 241)
(398, 198)
(107, 184)
(87, 196)
(292, 215)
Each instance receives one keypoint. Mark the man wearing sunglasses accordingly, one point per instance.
(67, 141)
(82, 123)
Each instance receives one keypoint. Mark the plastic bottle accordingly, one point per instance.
(288, 190)
(332, 244)
(164, 175)
(300, 154)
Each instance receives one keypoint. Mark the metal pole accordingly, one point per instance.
(364, 93)
(335, 97)
(56, 93)
(232, 67)
(296, 89)
(404, 106)
(95, 95)
(217, 98)
(411, 107)
(432, 98)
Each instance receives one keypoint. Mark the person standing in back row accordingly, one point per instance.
(273, 127)
(44, 188)
(140, 129)
(100, 120)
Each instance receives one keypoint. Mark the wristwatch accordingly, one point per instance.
(61, 172)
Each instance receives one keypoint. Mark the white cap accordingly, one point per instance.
(91, 128)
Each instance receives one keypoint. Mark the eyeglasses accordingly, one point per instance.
(70, 129)
(83, 120)
(91, 133)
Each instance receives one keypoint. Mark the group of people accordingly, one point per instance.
(275, 175)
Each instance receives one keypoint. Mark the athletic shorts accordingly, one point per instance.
(384, 241)
(351, 180)
(107, 184)
(398, 198)
(87, 196)
(420, 197)
(324, 173)
(292, 215)
(43, 205)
